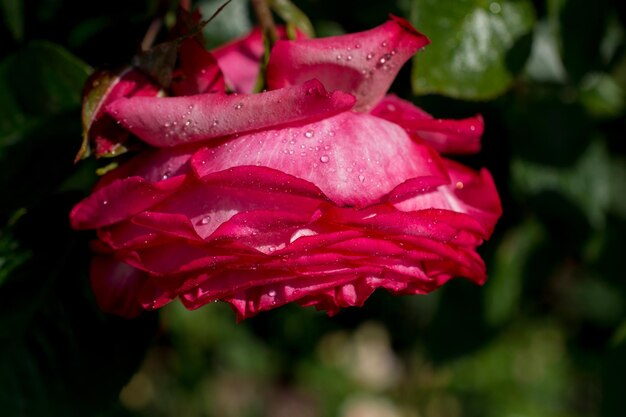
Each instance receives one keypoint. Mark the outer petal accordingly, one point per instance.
(470, 192)
(116, 286)
(102, 129)
(445, 135)
(355, 159)
(173, 121)
(120, 200)
(364, 64)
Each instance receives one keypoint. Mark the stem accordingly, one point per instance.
(265, 19)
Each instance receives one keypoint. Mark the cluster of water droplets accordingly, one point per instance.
(181, 126)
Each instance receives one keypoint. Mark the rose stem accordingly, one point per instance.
(265, 19)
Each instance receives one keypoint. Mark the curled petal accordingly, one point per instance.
(469, 192)
(445, 135)
(355, 159)
(120, 200)
(172, 121)
(363, 64)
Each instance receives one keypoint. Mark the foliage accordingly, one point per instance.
(545, 336)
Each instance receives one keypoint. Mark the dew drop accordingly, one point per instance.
(362, 178)
(324, 159)
(105, 202)
(188, 122)
(309, 133)
(238, 106)
(349, 58)
(215, 123)
(205, 220)
(369, 56)
(166, 175)
(166, 124)
(459, 185)
(272, 249)
(339, 57)
(357, 46)
(384, 44)
(272, 293)
(472, 128)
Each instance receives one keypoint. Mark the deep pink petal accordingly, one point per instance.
(198, 72)
(241, 58)
(173, 121)
(116, 286)
(202, 206)
(152, 165)
(354, 158)
(119, 200)
(445, 135)
(363, 64)
(470, 192)
(103, 130)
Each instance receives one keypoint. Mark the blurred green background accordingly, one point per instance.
(545, 336)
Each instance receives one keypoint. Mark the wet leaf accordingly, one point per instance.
(477, 46)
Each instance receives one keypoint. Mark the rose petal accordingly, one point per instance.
(202, 206)
(445, 135)
(241, 58)
(104, 132)
(198, 72)
(363, 64)
(119, 200)
(173, 121)
(355, 159)
(470, 192)
(116, 286)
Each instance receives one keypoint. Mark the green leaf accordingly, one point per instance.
(47, 79)
(477, 47)
(602, 96)
(587, 183)
(13, 12)
(40, 95)
(503, 290)
(59, 355)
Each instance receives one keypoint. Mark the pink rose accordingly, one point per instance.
(318, 191)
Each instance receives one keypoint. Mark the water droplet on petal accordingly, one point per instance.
(472, 128)
(357, 46)
(362, 178)
(205, 220)
(105, 202)
(272, 293)
(238, 106)
(324, 159)
(309, 133)
(188, 122)
(349, 58)
(459, 185)
(369, 56)
(384, 44)
(215, 123)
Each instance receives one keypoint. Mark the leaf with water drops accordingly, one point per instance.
(477, 46)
